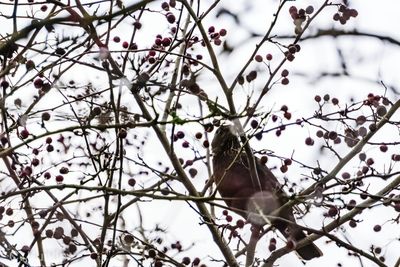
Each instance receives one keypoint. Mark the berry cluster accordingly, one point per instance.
(300, 16)
(344, 14)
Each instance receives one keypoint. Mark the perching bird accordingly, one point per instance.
(248, 198)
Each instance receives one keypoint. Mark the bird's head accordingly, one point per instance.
(225, 139)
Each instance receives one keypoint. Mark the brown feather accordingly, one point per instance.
(234, 183)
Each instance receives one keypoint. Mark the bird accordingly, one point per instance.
(253, 199)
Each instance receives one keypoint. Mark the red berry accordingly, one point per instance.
(180, 134)
(269, 57)
(38, 83)
(285, 81)
(383, 148)
(377, 228)
(345, 175)
(272, 247)
(125, 44)
(198, 135)
(293, 9)
(185, 144)
(217, 42)
(59, 178)
(333, 211)
(240, 223)
(166, 41)
(309, 141)
(285, 73)
(132, 182)
(24, 134)
(93, 255)
(116, 39)
(170, 17)
(258, 58)
(222, 32)
(284, 168)
(165, 6)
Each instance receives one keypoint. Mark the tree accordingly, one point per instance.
(108, 109)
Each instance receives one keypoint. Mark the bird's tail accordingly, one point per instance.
(309, 251)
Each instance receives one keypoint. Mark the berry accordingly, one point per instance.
(185, 144)
(258, 58)
(132, 182)
(64, 170)
(45, 116)
(4, 84)
(292, 10)
(24, 133)
(170, 17)
(186, 260)
(165, 6)
(287, 162)
(217, 42)
(206, 143)
(137, 25)
(381, 111)
(240, 223)
(180, 134)
(166, 41)
(38, 83)
(285, 73)
(192, 172)
(269, 57)
(284, 168)
(290, 57)
(93, 255)
(222, 32)
(317, 98)
(377, 228)
(125, 44)
(59, 178)
(309, 10)
(333, 211)
(29, 65)
(116, 39)
(272, 247)
(383, 148)
(35, 162)
(309, 141)
(345, 175)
